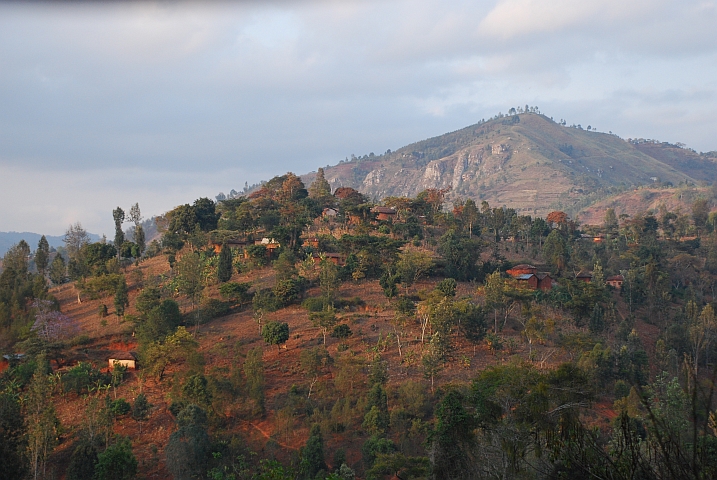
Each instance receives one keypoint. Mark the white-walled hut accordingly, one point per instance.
(126, 359)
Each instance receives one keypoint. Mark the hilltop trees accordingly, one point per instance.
(42, 255)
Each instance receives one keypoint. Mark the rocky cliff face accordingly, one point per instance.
(526, 162)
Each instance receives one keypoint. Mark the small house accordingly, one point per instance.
(586, 277)
(384, 213)
(335, 258)
(329, 213)
(125, 359)
(615, 281)
(530, 275)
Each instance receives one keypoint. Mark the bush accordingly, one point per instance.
(265, 300)
(213, 308)
(235, 292)
(275, 333)
(314, 304)
(117, 462)
(82, 462)
(341, 331)
(102, 286)
(120, 407)
(405, 305)
(82, 377)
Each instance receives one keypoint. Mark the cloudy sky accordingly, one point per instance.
(160, 103)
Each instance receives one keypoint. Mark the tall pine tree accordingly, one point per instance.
(42, 255)
(224, 270)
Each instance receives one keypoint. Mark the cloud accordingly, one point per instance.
(183, 93)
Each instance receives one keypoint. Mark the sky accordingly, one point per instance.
(160, 103)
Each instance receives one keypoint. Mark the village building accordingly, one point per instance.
(335, 258)
(530, 276)
(312, 242)
(384, 213)
(329, 213)
(586, 277)
(615, 281)
(125, 359)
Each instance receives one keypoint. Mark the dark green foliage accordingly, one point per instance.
(213, 308)
(275, 333)
(460, 254)
(472, 321)
(147, 300)
(12, 441)
(258, 254)
(314, 304)
(160, 321)
(597, 321)
(82, 462)
(373, 446)
(447, 287)
(58, 270)
(117, 462)
(312, 454)
(118, 216)
(195, 391)
(83, 376)
(140, 409)
(265, 300)
(341, 331)
(235, 292)
(121, 298)
(389, 283)
(254, 374)
(225, 268)
(288, 291)
(452, 438)
(42, 255)
(120, 407)
(405, 305)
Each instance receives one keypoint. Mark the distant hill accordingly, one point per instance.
(527, 162)
(8, 239)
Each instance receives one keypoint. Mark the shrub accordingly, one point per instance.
(265, 300)
(341, 331)
(120, 407)
(235, 292)
(314, 304)
(117, 462)
(275, 333)
(405, 305)
(213, 308)
(82, 377)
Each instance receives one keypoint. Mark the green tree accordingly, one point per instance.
(83, 461)
(121, 298)
(460, 255)
(329, 280)
(140, 410)
(189, 447)
(224, 269)
(157, 355)
(254, 374)
(117, 462)
(555, 250)
(58, 270)
(412, 265)
(275, 333)
(324, 320)
(135, 216)
(452, 438)
(118, 216)
(42, 255)
(610, 223)
(12, 441)
(190, 279)
(320, 189)
(312, 454)
(42, 422)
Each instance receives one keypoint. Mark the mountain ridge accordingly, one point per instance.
(526, 161)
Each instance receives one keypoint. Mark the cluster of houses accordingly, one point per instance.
(535, 280)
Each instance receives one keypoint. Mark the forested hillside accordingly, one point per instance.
(313, 333)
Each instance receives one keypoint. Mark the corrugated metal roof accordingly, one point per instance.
(523, 276)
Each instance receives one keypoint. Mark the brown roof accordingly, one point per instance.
(584, 275)
(123, 356)
(615, 278)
